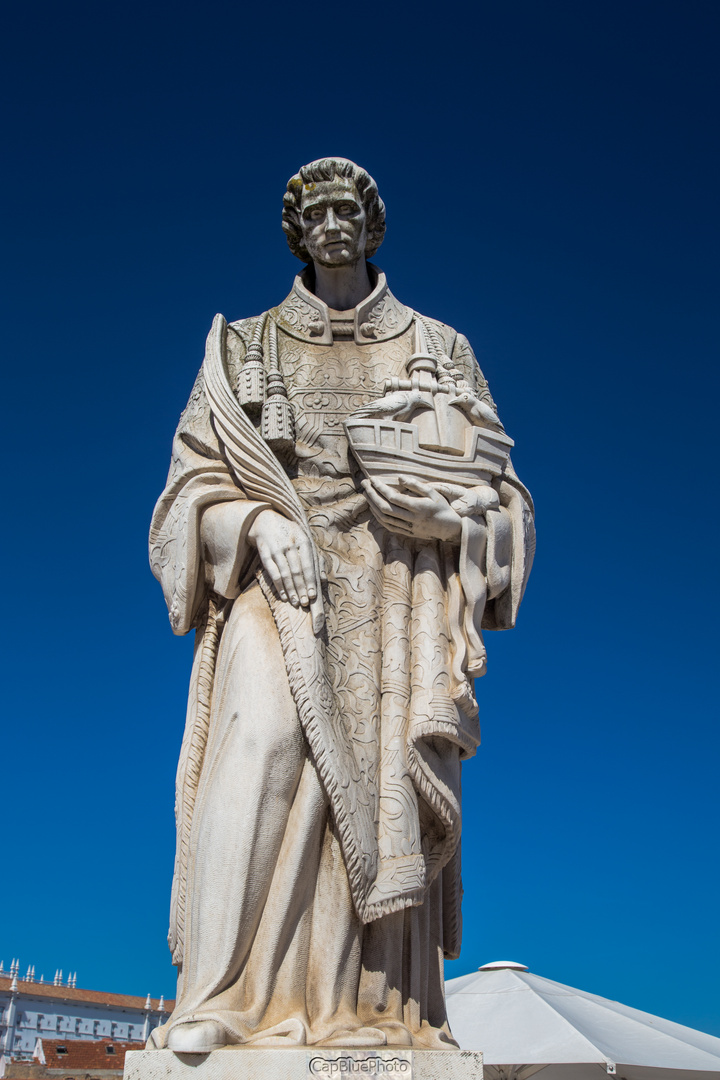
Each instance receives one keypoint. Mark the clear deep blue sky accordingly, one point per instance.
(551, 176)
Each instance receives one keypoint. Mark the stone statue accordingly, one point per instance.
(340, 523)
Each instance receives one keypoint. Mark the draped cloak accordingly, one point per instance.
(317, 876)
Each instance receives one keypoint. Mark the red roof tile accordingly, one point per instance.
(86, 1054)
(69, 993)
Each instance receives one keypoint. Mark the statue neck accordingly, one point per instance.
(342, 287)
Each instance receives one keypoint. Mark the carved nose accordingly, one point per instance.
(331, 222)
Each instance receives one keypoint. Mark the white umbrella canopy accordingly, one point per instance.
(525, 1024)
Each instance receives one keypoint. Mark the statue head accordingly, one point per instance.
(332, 213)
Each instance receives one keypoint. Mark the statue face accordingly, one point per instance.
(333, 223)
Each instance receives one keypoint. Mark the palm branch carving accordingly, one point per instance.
(257, 470)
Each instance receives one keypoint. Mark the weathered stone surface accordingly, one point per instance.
(341, 523)
(233, 1063)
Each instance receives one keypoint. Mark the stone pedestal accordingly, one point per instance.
(304, 1063)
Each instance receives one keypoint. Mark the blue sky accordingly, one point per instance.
(551, 176)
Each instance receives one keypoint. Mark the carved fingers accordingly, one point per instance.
(413, 508)
(286, 554)
(391, 517)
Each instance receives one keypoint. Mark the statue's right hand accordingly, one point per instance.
(286, 554)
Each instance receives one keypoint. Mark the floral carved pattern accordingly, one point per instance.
(301, 316)
(384, 318)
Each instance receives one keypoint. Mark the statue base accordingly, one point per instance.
(304, 1063)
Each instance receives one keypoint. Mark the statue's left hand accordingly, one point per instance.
(425, 514)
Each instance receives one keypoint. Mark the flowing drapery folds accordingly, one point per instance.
(379, 671)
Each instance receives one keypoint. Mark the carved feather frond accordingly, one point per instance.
(256, 468)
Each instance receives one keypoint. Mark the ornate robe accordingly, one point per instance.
(317, 879)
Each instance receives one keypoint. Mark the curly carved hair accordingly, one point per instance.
(328, 169)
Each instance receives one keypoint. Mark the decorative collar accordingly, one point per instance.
(379, 317)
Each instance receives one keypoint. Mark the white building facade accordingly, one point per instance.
(30, 1010)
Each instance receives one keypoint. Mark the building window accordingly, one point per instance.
(61, 1050)
(109, 1049)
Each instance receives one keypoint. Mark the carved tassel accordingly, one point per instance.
(278, 418)
(251, 387)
